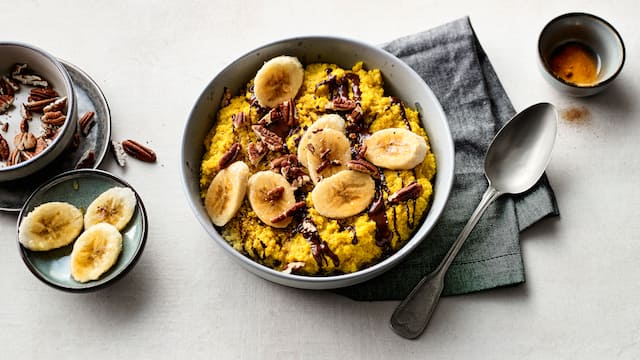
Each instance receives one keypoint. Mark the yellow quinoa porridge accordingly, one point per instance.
(313, 170)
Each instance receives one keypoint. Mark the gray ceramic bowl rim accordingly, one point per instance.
(340, 280)
(71, 98)
(127, 267)
(602, 83)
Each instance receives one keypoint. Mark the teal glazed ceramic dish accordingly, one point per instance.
(80, 188)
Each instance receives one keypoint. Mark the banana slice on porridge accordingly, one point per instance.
(271, 195)
(344, 194)
(226, 193)
(278, 80)
(396, 149)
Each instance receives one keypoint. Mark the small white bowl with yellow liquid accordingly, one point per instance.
(580, 54)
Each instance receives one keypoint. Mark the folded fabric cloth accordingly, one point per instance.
(451, 61)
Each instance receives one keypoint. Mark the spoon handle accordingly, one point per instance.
(412, 315)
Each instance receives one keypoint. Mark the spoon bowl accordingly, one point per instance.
(521, 150)
(514, 162)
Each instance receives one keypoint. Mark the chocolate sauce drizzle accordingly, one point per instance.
(319, 248)
(253, 102)
(340, 88)
(411, 216)
(355, 85)
(377, 213)
(403, 113)
(354, 240)
(352, 229)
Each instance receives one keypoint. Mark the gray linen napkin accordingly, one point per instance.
(449, 58)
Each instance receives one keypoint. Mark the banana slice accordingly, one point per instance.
(344, 194)
(226, 193)
(278, 80)
(270, 195)
(329, 121)
(95, 252)
(328, 152)
(395, 149)
(50, 226)
(114, 206)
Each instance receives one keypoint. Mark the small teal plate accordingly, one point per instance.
(80, 188)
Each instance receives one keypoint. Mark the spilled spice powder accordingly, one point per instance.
(575, 114)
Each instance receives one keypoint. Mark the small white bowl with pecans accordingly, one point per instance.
(37, 110)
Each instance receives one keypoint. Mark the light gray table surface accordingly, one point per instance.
(187, 299)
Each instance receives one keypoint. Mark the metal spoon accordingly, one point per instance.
(514, 162)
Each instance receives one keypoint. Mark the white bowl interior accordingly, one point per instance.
(400, 80)
(38, 62)
(45, 65)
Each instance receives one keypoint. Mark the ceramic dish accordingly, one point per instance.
(80, 188)
(56, 75)
(593, 32)
(400, 80)
(89, 97)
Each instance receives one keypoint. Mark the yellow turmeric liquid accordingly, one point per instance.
(575, 63)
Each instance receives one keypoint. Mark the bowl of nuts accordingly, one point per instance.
(37, 109)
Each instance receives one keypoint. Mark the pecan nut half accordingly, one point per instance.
(256, 151)
(288, 111)
(49, 132)
(38, 105)
(326, 163)
(275, 193)
(289, 212)
(8, 86)
(239, 119)
(86, 122)
(271, 139)
(5, 102)
(24, 125)
(18, 156)
(138, 151)
(293, 266)
(282, 161)
(14, 157)
(42, 93)
(53, 118)
(57, 105)
(119, 153)
(230, 156)
(26, 114)
(363, 166)
(409, 192)
(226, 97)
(24, 141)
(41, 144)
(341, 104)
(30, 79)
(4, 149)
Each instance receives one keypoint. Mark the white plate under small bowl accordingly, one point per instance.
(80, 188)
(89, 97)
